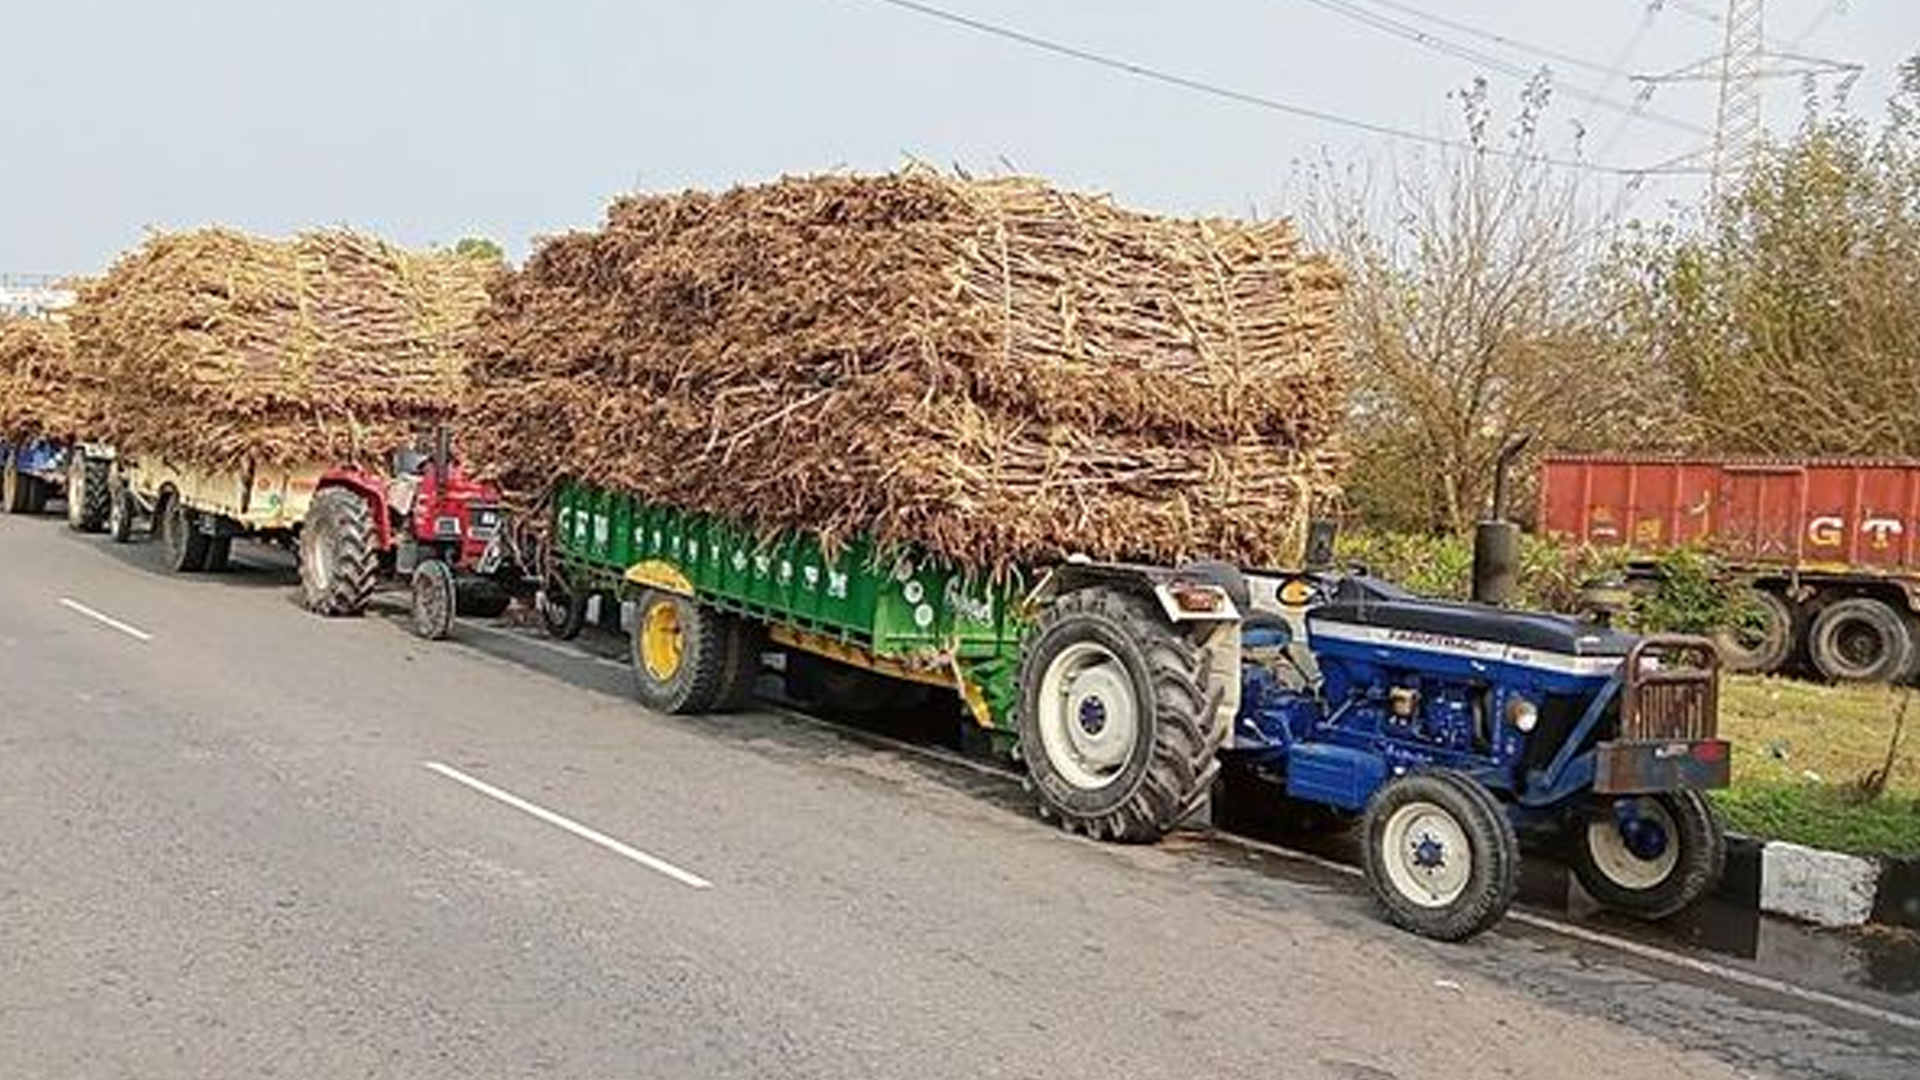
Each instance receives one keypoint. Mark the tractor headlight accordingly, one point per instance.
(1523, 714)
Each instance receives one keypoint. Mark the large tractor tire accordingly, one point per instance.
(338, 563)
(1763, 642)
(1442, 858)
(1861, 639)
(1116, 717)
(89, 500)
(688, 658)
(185, 545)
(1649, 856)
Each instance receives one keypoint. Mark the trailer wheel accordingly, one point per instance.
(219, 554)
(1115, 717)
(121, 511)
(1441, 857)
(186, 546)
(1649, 856)
(846, 690)
(684, 654)
(1764, 640)
(16, 487)
(1861, 639)
(89, 498)
(338, 564)
(435, 600)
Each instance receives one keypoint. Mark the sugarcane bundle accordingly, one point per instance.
(227, 349)
(46, 392)
(994, 370)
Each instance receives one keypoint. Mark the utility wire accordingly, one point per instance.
(1464, 52)
(1243, 97)
(1499, 39)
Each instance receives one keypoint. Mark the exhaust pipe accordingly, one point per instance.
(1496, 541)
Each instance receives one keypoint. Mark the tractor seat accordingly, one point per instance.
(1365, 602)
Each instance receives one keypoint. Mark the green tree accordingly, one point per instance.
(480, 247)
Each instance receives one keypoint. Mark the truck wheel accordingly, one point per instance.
(683, 654)
(1861, 639)
(186, 546)
(1649, 856)
(1115, 717)
(15, 487)
(435, 600)
(562, 614)
(89, 499)
(1441, 856)
(338, 565)
(1764, 640)
(121, 511)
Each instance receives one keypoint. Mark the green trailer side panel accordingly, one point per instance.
(898, 606)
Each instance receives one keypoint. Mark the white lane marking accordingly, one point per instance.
(1653, 953)
(79, 608)
(657, 865)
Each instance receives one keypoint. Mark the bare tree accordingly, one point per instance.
(1473, 315)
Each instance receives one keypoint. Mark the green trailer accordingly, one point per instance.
(1127, 677)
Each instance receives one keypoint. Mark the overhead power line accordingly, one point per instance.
(1256, 100)
(1439, 44)
(1555, 55)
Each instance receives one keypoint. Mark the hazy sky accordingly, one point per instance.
(427, 120)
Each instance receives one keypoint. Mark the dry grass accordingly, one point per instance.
(994, 370)
(227, 349)
(1785, 731)
(44, 392)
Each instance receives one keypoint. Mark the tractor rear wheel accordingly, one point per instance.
(88, 498)
(185, 545)
(1441, 856)
(435, 600)
(687, 658)
(1861, 639)
(1649, 856)
(1116, 716)
(338, 563)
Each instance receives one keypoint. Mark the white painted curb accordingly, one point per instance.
(1821, 887)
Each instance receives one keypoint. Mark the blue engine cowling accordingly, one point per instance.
(1406, 682)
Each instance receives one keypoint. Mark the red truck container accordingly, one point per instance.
(1830, 547)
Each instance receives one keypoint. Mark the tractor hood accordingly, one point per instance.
(1363, 609)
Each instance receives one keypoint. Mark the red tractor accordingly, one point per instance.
(427, 522)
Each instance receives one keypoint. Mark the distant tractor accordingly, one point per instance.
(35, 473)
(1829, 550)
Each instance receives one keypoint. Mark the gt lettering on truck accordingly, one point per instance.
(1830, 530)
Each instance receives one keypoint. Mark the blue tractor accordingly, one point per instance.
(36, 471)
(1454, 729)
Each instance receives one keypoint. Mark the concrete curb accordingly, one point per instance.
(1825, 888)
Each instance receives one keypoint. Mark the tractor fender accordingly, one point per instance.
(374, 492)
(1190, 595)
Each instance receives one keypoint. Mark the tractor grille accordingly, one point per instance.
(1672, 690)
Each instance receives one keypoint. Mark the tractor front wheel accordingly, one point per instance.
(435, 600)
(1441, 856)
(1116, 716)
(1649, 856)
(338, 563)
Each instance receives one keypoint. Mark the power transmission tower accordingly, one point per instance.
(1746, 59)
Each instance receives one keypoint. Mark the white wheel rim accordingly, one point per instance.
(1089, 716)
(1618, 862)
(1428, 858)
(315, 562)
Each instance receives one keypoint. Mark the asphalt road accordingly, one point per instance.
(238, 840)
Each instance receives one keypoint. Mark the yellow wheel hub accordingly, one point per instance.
(662, 644)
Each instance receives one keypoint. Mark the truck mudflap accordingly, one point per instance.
(1643, 768)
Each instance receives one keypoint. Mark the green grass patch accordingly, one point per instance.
(1818, 815)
